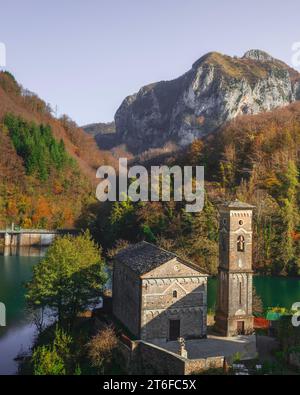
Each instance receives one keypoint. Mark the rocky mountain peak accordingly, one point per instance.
(258, 55)
(215, 90)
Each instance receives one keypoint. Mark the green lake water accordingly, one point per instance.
(15, 269)
(17, 336)
(274, 291)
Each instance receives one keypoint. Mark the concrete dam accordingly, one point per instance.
(28, 238)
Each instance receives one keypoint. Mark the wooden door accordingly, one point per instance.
(241, 327)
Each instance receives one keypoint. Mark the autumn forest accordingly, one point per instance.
(47, 180)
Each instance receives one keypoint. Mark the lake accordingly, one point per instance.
(274, 291)
(17, 336)
(16, 268)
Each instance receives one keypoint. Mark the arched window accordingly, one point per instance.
(174, 294)
(241, 243)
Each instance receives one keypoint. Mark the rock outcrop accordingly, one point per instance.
(217, 89)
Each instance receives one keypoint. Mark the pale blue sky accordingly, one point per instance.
(86, 56)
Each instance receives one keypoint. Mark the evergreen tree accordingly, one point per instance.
(37, 146)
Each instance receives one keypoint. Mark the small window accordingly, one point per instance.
(241, 244)
(174, 294)
(241, 222)
(224, 221)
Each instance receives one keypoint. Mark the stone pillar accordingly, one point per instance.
(182, 349)
(7, 239)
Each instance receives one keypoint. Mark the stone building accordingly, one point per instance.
(234, 301)
(158, 295)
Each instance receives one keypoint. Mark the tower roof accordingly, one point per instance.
(237, 205)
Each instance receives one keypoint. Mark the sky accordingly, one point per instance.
(86, 56)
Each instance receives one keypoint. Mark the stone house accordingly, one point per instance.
(158, 295)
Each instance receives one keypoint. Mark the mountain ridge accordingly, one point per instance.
(216, 89)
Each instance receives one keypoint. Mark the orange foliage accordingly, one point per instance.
(12, 209)
(57, 188)
(68, 216)
(29, 106)
(195, 151)
(42, 211)
(295, 236)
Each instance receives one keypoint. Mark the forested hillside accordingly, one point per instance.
(47, 165)
(253, 158)
(257, 159)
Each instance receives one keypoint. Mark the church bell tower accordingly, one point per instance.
(234, 301)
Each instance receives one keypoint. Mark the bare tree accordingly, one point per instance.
(101, 347)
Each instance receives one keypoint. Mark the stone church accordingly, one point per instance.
(159, 296)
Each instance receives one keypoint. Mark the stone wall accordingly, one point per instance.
(148, 359)
(129, 355)
(157, 361)
(173, 291)
(126, 297)
(194, 366)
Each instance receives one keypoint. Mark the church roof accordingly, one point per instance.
(144, 257)
(237, 205)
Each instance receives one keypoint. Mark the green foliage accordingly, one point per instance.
(77, 371)
(254, 159)
(62, 342)
(69, 278)
(190, 235)
(54, 358)
(37, 146)
(10, 75)
(149, 236)
(122, 219)
(79, 351)
(236, 357)
(46, 361)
